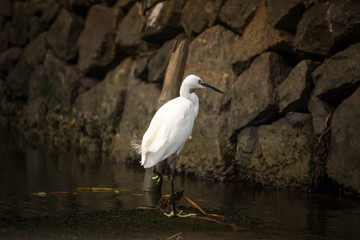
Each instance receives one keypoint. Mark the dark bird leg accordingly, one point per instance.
(172, 182)
(172, 196)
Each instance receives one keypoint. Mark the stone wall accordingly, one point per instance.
(87, 74)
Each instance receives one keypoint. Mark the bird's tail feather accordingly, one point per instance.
(136, 144)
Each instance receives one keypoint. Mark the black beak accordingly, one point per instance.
(211, 87)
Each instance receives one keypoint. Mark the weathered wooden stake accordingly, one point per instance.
(173, 78)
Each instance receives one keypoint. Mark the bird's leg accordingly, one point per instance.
(173, 212)
(172, 182)
(159, 176)
(172, 198)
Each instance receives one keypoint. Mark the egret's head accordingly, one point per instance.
(193, 81)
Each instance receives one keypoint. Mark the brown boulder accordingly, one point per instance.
(141, 65)
(319, 111)
(55, 82)
(253, 101)
(339, 76)
(163, 21)
(35, 113)
(143, 97)
(35, 27)
(20, 23)
(5, 7)
(344, 161)
(237, 14)
(258, 37)
(128, 33)
(35, 51)
(106, 100)
(294, 92)
(18, 79)
(5, 30)
(197, 15)
(328, 26)
(8, 60)
(278, 155)
(147, 4)
(158, 63)
(63, 35)
(285, 14)
(50, 12)
(210, 57)
(96, 43)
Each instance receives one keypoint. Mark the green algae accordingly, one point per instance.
(119, 224)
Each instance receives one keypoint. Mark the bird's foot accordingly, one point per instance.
(173, 214)
(159, 177)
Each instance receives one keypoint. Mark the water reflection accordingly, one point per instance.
(25, 170)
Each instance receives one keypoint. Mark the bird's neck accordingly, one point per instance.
(184, 91)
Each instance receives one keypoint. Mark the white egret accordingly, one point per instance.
(170, 127)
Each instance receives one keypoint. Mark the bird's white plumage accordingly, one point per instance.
(172, 124)
(168, 131)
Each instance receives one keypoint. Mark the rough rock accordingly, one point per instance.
(215, 45)
(81, 7)
(197, 15)
(319, 111)
(258, 37)
(55, 82)
(2, 96)
(20, 23)
(246, 148)
(147, 4)
(64, 33)
(4, 36)
(143, 97)
(106, 100)
(279, 154)
(5, 7)
(237, 14)
(97, 48)
(35, 113)
(35, 51)
(87, 83)
(332, 82)
(253, 101)
(35, 27)
(210, 56)
(141, 65)
(285, 14)
(18, 79)
(326, 26)
(128, 34)
(49, 14)
(8, 60)
(294, 92)
(163, 21)
(344, 161)
(159, 62)
(37, 6)
(126, 4)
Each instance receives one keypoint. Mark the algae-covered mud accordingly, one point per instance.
(120, 224)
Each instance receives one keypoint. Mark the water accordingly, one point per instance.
(25, 170)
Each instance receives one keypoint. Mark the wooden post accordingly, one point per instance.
(173, 78)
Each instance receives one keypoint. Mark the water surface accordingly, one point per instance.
(25, 170)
